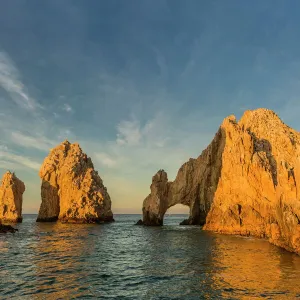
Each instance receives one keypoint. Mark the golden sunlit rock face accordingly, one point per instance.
(246, 182)
(11, 198)
(72, 191)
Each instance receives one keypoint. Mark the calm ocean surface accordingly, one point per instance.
(123, 261)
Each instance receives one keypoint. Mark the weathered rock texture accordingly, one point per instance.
(246, 182)
(11, 198)
(72, 191)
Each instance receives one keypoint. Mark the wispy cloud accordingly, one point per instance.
(67, 107)
(128, 133)
(8, 159)
(105, 159)
(36, 142)
(11, 82)
(162, 64)
(7, 165)
(132, 133)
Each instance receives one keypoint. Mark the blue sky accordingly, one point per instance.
(141, 85)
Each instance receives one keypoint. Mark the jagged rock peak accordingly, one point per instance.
(11, 198)
(245, 182)
(72, 191)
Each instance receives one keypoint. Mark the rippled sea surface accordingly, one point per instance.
(123, 261)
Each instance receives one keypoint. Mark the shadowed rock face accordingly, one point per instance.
(11, 198)
(72, 191)
(246, 182)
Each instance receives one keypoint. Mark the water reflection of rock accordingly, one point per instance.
(245, 269)
(182, 268)
(60, 258)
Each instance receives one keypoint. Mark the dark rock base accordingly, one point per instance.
(50, 219)
(7, 228)
(77, 221)
(139, 222)
(87, 221)
(192, 221)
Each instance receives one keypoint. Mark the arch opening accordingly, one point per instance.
(176, 214)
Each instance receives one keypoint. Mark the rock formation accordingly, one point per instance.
(72, 191)
(7, 228)
(246, 182)
(194, 186)
(11, 198)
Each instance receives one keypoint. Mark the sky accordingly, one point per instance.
(141, 85)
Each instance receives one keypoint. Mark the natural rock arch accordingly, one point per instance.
(194, 186)
(246, 182)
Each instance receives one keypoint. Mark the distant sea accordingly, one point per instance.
(123, 261)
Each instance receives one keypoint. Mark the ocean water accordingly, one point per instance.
(123, 261)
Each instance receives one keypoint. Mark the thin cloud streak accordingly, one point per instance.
(18, 160)
(105, 159)
(67, 107)
(9, 81)
(28, 141)
(128, 133)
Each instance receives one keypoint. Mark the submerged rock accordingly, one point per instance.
(139, 222)
(7, 228)
(11, 198)
(72, 191)
(185, 222)
(246, 182)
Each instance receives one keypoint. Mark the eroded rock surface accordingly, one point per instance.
(246, 182)
(11, 198)
(72, 191)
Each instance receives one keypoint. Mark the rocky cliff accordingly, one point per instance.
(72, 191)
(11, 198)
(246, 182)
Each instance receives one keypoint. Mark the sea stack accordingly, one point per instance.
(245, 182)
(72, 191)
(11, 198)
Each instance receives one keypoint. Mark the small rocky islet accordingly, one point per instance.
(11, 198)
(244, 183)
(72, 191)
